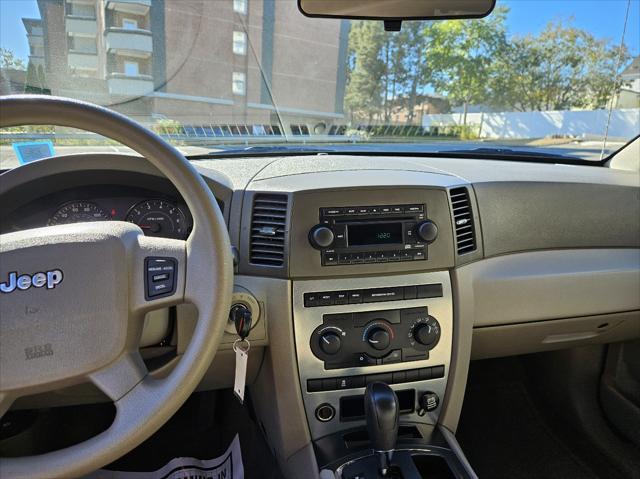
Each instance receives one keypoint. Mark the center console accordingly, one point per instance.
(373, 309)
(353, 331)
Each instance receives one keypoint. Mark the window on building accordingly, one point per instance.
(82, 10)
(239, 43)
(129, 24)
(239, 86)
(131, 69)
(240, 6)
(79, 44)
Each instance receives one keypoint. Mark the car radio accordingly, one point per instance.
(373, 234)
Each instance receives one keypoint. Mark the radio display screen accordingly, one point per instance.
(361, 234)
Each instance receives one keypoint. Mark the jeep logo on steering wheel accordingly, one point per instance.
(48, 279)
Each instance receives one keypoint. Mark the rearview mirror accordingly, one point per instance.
(396, 10)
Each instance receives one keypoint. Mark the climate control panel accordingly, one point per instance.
(371, 338)
(352, 331)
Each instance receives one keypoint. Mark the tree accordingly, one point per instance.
(462, 53)
(9, 61)
(364, 91)
(562, 68)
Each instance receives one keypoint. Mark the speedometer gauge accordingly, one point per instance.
(78, 212)
(159, 218)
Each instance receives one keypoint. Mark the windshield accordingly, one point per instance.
(560, 77)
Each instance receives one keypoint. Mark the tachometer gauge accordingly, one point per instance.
(159, 218)
(78, 212)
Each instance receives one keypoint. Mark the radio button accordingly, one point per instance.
(419, 254)
(413, 209)
(382, 257)
(406, 256)
(344, 258)
(410, 232)
(332, 211)
(340, 233)
(357, 258)
(394, 255)
(351, 211)
(330, 259)
(364, 211)
(385, 209)
(369, 257)
(396, 209)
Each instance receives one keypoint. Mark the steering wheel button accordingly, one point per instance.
(160, 277)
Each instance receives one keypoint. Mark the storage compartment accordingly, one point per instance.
(352, 407)
(538, 336)
(432, 467)
(360, 439)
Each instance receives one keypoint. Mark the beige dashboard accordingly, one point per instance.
(556, 261)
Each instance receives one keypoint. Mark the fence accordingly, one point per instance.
(625, 123)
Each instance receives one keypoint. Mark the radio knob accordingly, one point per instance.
(428, 231)
(330, 343)
(378, 338)
(321, 237)
(427, 333)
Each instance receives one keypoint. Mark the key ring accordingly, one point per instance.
(237, 347)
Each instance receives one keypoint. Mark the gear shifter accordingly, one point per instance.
(381, 412)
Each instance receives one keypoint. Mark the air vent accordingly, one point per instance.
(268, 222)
(463, 220)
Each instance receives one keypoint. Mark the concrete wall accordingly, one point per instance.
(625, 124)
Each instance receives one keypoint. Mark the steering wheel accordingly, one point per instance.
(74, 298)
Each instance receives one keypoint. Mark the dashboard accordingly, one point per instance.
(375, 268)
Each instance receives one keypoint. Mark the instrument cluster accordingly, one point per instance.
(158, 213)
(156, 217)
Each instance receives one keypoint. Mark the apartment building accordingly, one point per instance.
(196, 61)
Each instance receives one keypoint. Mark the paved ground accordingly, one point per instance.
(588, 150)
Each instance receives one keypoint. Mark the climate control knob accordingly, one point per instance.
(330, 343)
(427, 231)
(321, 237)
(379, 338)
(427, 333)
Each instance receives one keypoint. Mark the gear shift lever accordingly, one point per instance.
(381, 412)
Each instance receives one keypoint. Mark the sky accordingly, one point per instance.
(603, 18)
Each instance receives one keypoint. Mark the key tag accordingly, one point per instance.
(241, 348)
